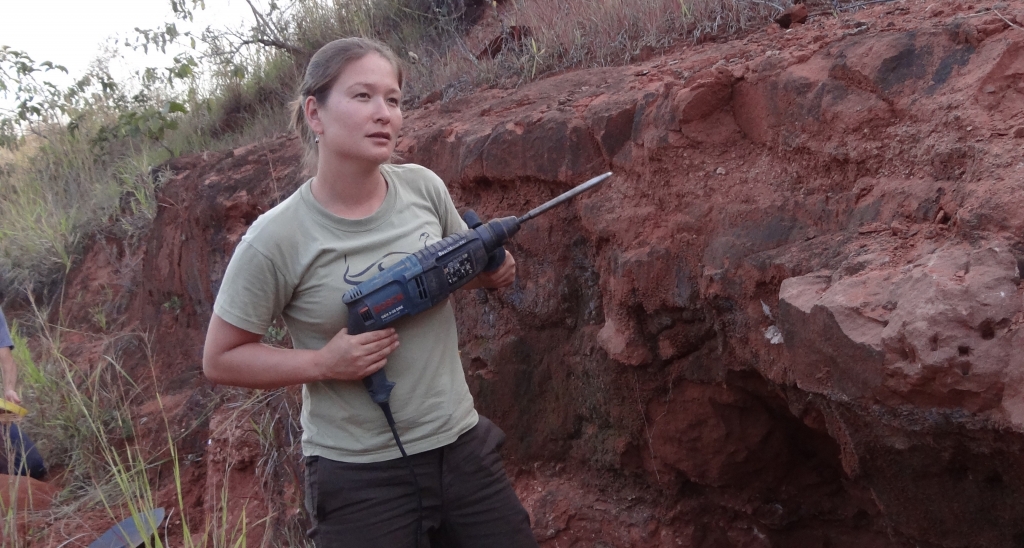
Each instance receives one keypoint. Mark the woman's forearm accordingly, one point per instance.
(256, 365)
(236, 357)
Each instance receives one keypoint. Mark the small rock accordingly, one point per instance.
(774, 335)
(1018, 132)
(871, 228)
(797, 13)
(432, 97)
(989, 89)
(720, 171)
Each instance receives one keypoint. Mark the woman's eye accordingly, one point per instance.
(393, 101)
(362, 96)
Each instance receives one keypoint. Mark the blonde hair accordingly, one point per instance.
(323, 69)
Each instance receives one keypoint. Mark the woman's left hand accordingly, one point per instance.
(503, 277)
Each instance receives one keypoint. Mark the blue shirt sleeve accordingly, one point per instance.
(5, 335)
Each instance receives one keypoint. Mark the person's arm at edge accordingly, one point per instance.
(236, 357)
(9, 370)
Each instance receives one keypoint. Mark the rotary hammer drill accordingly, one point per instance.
(429, 276)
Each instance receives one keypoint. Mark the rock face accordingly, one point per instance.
(792, 317)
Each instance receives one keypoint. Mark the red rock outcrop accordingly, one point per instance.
(792, 317)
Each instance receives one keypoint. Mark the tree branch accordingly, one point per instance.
(295, 51)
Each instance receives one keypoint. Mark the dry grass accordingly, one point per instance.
(85, 420)
(58, 187)
(591, 33)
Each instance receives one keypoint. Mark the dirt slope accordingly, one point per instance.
(792, 318)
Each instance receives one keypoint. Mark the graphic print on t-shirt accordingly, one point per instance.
(380, 264)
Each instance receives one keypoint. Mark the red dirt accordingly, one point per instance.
(791, 319)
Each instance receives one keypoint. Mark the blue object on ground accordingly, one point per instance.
(132, 532)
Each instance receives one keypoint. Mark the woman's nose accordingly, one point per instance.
(381, 111)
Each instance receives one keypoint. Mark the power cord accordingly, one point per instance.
(386, 407)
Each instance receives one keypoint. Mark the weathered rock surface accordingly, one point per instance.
(792, 317)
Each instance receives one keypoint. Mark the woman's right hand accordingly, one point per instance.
(354, 357)
(11, 395)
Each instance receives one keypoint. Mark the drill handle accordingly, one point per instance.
(376, 384)
(379, 386)
(495, 258)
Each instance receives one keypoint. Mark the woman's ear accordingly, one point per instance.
(312, 109)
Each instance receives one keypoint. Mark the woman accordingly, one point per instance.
(357, 215)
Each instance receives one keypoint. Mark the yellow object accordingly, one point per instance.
(11, 407)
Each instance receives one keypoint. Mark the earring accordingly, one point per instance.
(316, 139)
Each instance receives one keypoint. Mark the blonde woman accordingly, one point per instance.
(357, 215)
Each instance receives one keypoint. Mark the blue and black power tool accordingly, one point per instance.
(429, 276)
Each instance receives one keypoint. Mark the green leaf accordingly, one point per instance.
(175, 106)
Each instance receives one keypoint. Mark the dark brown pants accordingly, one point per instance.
(468, 501)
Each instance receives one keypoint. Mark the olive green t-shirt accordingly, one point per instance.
(298, 260)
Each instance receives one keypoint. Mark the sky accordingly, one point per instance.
(71, 32)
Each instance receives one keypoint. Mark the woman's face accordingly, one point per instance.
(361, 116)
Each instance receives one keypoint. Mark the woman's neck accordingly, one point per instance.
(350, 191)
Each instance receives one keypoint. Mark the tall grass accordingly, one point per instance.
(58, 188)
(86, 423)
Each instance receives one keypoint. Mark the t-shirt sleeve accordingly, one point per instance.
(5, 335)
(253, 292)
(448, 214)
